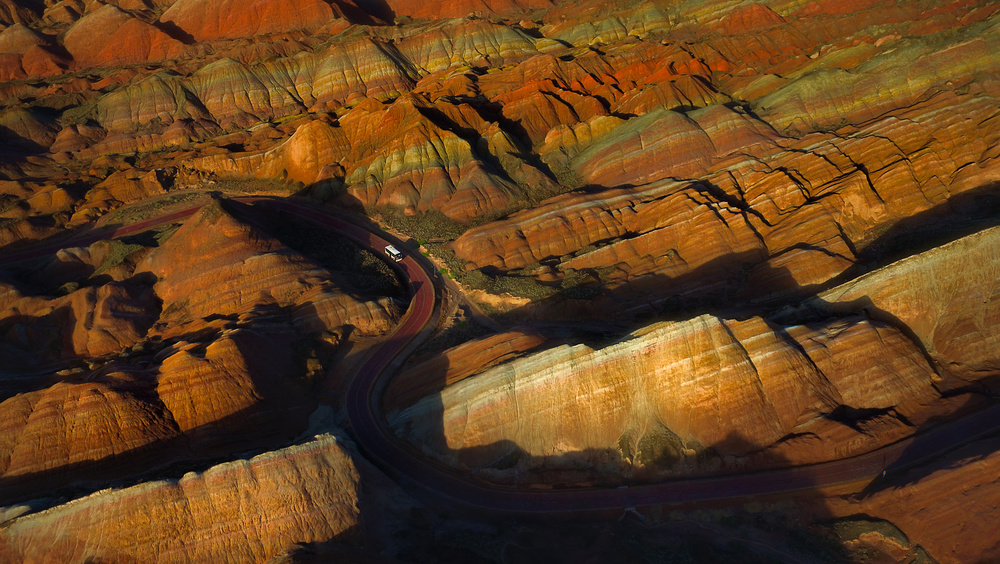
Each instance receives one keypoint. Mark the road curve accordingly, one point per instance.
(401, 461)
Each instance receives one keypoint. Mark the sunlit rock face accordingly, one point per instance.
(790, 115)
(948, 299)
(752, 388)
(241, 511)
(110, 36)
(721, 182)
(203, 20)
(154, 357)
(735, 386)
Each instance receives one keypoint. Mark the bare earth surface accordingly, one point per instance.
(695, 274)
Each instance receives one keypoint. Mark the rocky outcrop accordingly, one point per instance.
(203, 20)
(52, 432)
(307, 156)
(455, 364)
(24, 130)
(18, 38)
(669, 229)
(241, 511)
(110, 36)
(948, 299)
(194, 399)
(669, 144)
(14, 12)
(793, 226)
(91, 321)
(829, 97)
(424, 167)
(736, 386)
(943, 505)
(239, 267)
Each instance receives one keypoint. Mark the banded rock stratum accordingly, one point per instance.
(672, 239)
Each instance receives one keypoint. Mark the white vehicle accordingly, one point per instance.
(393, 253)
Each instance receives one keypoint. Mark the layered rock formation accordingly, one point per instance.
(727, 163)
(110, 36)
(241, 511)
(937, 506)
(803, 393)
(948, 299)
(608, 117)
(152, 358)
(202, 20)
(240, 267)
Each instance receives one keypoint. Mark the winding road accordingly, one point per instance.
(402, 461)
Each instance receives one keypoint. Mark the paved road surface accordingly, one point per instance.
(403, 462)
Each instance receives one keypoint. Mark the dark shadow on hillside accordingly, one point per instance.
(726, 277)
(36, 347)
(162, 459)
(23, 250)
(491, 112)
(572, 470)
(962, 215)
(52, 277)
(175, 32)
(581, 495)
(17, 148)
(744, 284)
(347, 547)
(280, 414)
(32, 351)
(939, 444)
(359, 272)
(377, 8)
(572, 483)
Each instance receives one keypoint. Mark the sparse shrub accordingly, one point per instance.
(428, 226)
(67, 288)
(119, 251)
(522, 287)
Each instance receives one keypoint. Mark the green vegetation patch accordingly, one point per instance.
(139, 213)
(256, 186)
(522, 286)
(118, 253)
(659, 447)
(429, 226)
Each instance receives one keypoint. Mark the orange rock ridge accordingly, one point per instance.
(110, 36)
(245, 511)
(219, 358)
(737, 386)
(743, 168)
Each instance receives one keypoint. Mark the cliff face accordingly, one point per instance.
(778, 113)
(744, 169)
(750, 389)
(153, 358)
(240, 511)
